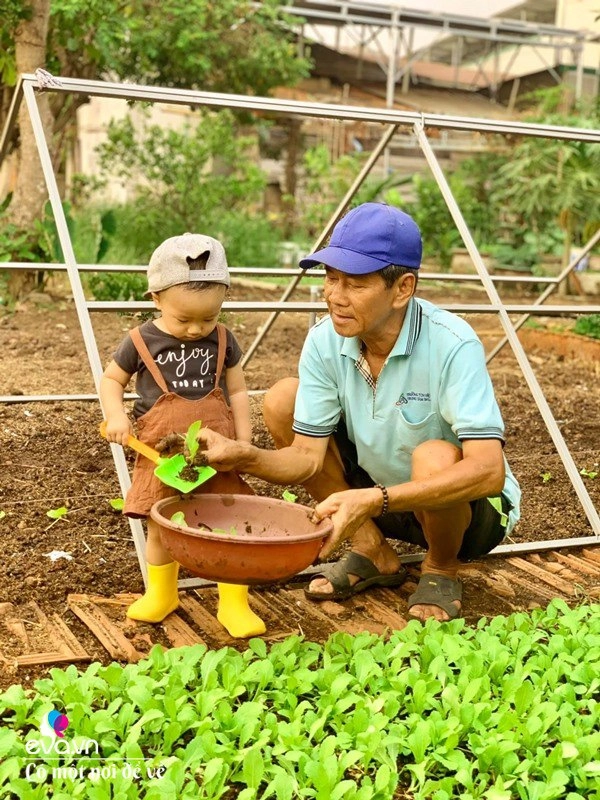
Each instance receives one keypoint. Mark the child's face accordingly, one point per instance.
(189, 315)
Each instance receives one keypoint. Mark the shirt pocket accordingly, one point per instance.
(410, 435)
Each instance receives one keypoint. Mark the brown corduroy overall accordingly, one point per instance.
(173, 413)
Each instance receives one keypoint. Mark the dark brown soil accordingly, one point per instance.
(52, 455)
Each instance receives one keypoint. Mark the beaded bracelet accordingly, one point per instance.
(386, 498)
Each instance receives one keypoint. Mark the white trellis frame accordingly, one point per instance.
(30, 85)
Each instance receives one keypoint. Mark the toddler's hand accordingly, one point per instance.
(118, 428)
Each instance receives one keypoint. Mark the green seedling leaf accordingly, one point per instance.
(117, 503)
(191, 442)
(179, 518)
(546, 476)
(231, 532)
(57, 513)
(588, 473)
(290, 497)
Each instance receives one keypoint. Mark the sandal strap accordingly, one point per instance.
(437, 590)
(351, 564)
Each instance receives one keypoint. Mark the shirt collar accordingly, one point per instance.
(409, 333)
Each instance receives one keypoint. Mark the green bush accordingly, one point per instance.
(588, 325)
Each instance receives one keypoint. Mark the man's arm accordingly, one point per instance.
(480, 473)
(294, 464)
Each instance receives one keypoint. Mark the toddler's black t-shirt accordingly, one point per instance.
(188, 367)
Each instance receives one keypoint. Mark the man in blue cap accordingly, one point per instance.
(392, 425)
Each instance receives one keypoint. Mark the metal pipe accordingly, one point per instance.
(415, 558)
(64, 238)
(358, 181)
(275, 272)
(276, 306)
(54, 398)
(320, 110)
(472, 27)
(511, 334)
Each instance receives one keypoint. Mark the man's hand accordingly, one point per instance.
(348, 511)
(217, 451)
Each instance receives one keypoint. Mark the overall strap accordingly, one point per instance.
(145, 355)
(222, 334)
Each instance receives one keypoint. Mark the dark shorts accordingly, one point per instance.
(485, 530)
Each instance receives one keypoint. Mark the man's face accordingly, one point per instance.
(362, 305)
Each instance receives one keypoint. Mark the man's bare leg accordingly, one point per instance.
(368, 541)
(444, 529)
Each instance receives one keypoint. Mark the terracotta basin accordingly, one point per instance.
(272, 539)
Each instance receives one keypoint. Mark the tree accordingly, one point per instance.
(554, 183)
(176, 185)
(231, 46)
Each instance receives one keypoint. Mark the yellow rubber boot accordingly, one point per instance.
(235, 614)
(161, 594)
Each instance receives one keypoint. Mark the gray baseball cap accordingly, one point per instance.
(170, 262)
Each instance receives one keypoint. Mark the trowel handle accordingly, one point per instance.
(136, 445)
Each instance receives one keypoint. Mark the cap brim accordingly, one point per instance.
(345, 260)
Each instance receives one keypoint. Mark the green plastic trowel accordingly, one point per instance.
(168, 470)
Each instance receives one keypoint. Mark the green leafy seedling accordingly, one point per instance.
(191, 441)
(117, 503)
(546, 476)
(289, 497)
(588, 473)
(179, 518)
(57, 513)
(231, 532)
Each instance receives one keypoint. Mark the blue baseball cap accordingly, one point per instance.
(368, 238)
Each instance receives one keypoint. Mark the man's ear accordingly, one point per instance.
(156, 299)
(405, 288)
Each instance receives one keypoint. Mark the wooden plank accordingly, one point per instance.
(51, 657)
(580, 564)
(537, 572)
(110, 637)
(179, 633)
(333, 609)
(67, 649)
(278, 626)
(52, 634)
(296, 601)
(381, 613)
(391, 597)
(99, 600)
(498, 584)
(70, 644)
(408, 587)
(358, 623)
(204, 619)
(591, 555)
(14, 624)
(537, 590)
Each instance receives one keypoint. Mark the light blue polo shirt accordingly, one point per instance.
(433, 385)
